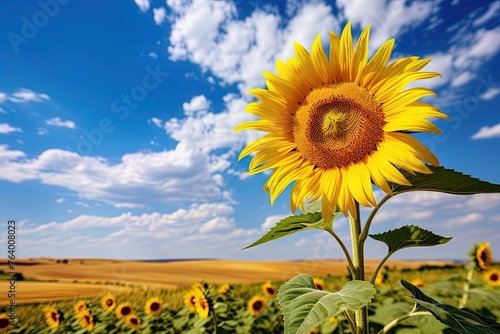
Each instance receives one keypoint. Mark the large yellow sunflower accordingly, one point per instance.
(53, 317)
(4, 322)
(337, 124)
(201, 304)
(153, 306)
(123, 310)
(189, 299)
(108, 302)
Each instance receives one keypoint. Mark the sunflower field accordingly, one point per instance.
(207, 308)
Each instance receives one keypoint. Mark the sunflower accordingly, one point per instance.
(418, 282)
(4, 322)
(201, 304)
(483, 256)
(80, 307)
(53, 317)
(200, 285)
(189, 299)
(133, 321)
(335, 125)
(320, 284)
(86, 320)
(224, 289)
(108, 302)
(314, 331)
(492, 277)
(269, 289)
(153, 306)
(256, 305)
(123, 310)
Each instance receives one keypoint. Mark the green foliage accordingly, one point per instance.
(462, 320)
(296, 223)
(305, 307)
(409, 236)
(447, 181)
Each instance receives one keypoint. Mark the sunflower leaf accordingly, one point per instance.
(462, 320)
(409, 236)
(447, 181)
(295, 223)
(305, 307)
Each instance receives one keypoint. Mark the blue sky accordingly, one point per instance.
(116, 123)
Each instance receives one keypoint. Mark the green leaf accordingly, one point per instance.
(296, 223)
(462, 320)
(409, 236)
(447, 181)
(305, 307)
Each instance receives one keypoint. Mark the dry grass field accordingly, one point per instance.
(89, 277)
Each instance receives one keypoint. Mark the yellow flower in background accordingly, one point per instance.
(418, 282)
(492, 277)
(108, 302)
(269, 289)
(199, 285)
(336, 124)
(224, 289)
(80, 306)
(86, 320)
(320, 284)
(133, 321)
(313, 331)
(123, 310)
(201, 304)
(189, 299)
(4, 322)
(256, 305)
(153, 306)
(53, 317)
(484, 256)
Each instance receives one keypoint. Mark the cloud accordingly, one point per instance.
(42, 131)
(492, 11)
(197, 103)
(473, 217)
(217, 223)
(143, 5)
(487, 132)
(23, 95)
(462, 79)
(56, 121)
(490, 93)
(60, 200)
(159, 15)
(6, 128)
(3, 97)
(271, 221)
(153, 55)
(156, 121)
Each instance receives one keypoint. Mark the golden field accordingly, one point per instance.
(55, 280)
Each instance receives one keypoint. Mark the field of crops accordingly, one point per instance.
(250, 308)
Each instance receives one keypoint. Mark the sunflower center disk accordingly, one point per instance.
(338, 125)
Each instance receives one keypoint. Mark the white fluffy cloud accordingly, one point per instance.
(487, 132)
(197, 103)
(23, 95)
(6, 128)
(490, 93)
(159, 15)
(56, 121)
(143, 5)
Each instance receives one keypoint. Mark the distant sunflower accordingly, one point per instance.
(123, 310)
(269, 289)
(256, 305)
(153, 306)
(320, 284)
(53, 317)
(336, 124)
(133, 321)
(200, 285)
(201, 304)
(492, 277)
(4, 322)
(80, 306)
(108, 302)
(189, 299)
(484, 256)
(418, 282)
(86, 320)
(314, 331)
(224, 289)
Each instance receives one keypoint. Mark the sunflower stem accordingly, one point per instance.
(397, 321)
(344, 248)
(214, 316)
(374, 276)
(351, 322)
(366, 228)
(467, 284)
(359, 268)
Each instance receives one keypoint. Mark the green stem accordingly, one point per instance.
(364, 234)
(395, 322)
(359, 269)
(344, 248)
(215, 321)
(374, 276)
(351, 322)
(467, 283)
